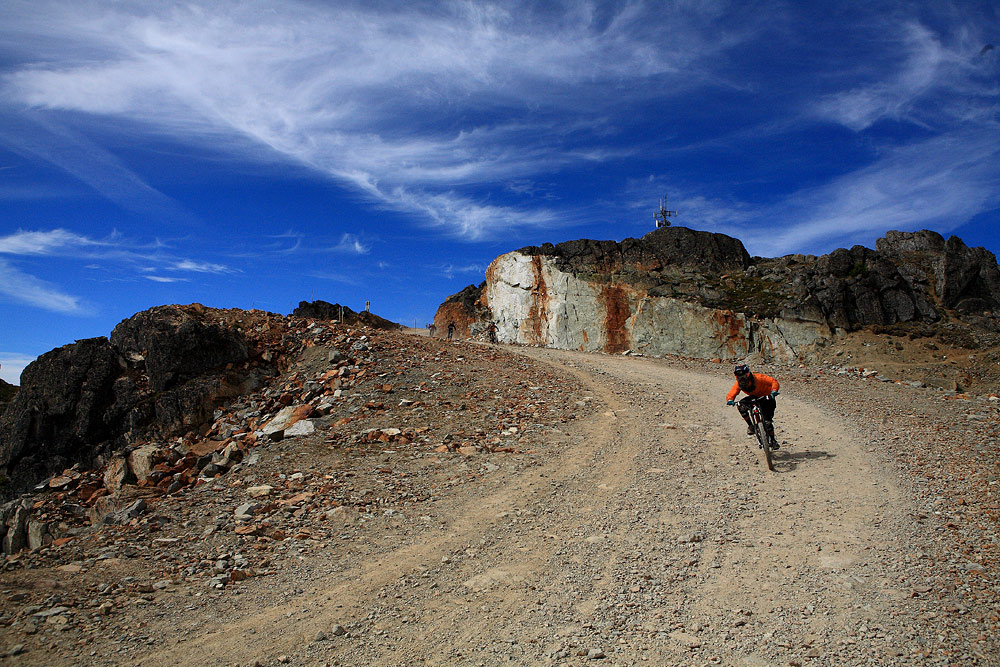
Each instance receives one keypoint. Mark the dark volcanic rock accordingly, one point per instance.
(164, 371)
(174, 345)
(58, 416)
(323, 310)
(656, 251)
(963, 278)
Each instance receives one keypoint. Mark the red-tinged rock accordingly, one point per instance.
(86, 491)
(467, 451)
(245, 530)
(294, 500)
(387, 389)
(58, 542)
(239, 575)
(277, 535)
(441, 449)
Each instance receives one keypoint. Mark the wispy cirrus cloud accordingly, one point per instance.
(166, 279)
(403, 104)
(198, 267)
(32, 242)
(449, 271)
(115, 252)
(904, 190)
(20, 287)
(350, 243)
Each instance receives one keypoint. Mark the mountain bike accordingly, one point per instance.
(757, 421)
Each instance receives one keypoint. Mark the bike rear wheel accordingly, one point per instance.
(765, 443)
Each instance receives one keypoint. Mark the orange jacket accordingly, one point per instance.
(763, 385)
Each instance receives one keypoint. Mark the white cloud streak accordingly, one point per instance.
(21, 287)
(166, 279)
(24, 242)
(198, 267)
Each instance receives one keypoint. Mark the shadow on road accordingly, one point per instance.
(785, 461)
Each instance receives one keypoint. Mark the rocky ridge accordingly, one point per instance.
(323, 310)
(679, 291)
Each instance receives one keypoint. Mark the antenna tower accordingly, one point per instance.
(662, 217)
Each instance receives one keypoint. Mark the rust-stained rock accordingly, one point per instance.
(680, 291)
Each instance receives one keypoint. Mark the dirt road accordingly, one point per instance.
(652, 535)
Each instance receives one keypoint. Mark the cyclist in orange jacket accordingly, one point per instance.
(757, 386)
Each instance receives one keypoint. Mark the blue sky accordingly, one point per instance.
(255, 154)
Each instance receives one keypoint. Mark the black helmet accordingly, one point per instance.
(741, 370)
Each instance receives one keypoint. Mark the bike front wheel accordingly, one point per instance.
(765, 444)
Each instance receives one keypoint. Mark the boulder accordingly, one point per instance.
(38, 535)
(142, 460)
(117, 473)
(14, 517)
(302, 427)
(286, 417)
(116, 510)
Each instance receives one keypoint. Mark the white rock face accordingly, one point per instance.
(535, 303)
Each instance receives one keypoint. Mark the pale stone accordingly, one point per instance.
(141, 461)
(304, 427)
(116, 474)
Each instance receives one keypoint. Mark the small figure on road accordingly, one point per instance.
(451, 330)
(755, 386)
(430, 330)
(492, 331)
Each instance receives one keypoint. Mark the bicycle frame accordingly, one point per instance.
(757, 421)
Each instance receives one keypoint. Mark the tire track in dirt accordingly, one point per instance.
(658, 536)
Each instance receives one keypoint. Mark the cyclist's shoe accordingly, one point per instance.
(774, 444)
(750, 430)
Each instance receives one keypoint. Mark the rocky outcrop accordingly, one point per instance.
(323, 310)
(172, 345)
(59, 415)
(163, 371)
(534, 302)
(965, 279)
(464, 312)
(679, 291)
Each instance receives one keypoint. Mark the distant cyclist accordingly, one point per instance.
(757, 386)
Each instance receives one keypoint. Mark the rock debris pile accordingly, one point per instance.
(305, 458)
